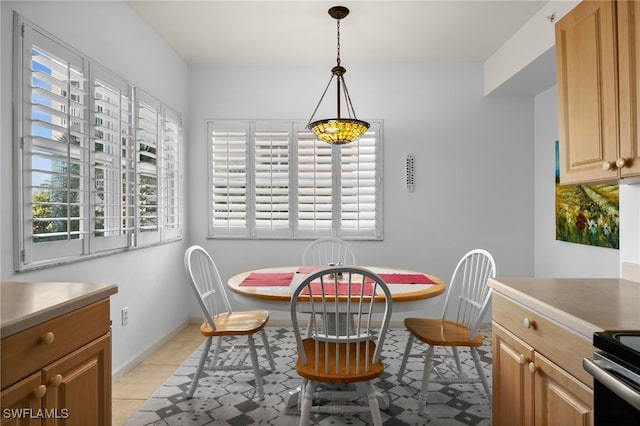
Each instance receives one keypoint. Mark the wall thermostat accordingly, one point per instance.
(409, 172)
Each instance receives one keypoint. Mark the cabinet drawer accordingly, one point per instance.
(30, 350)
(561, 345)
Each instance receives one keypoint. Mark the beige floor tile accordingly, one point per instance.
(190, 333)
(132, 390)
(142, 381)
(173, 353)
(122, 409)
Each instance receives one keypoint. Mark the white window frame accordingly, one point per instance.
(302, 144)
(109, 174)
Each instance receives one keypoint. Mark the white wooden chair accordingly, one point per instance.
(467, 300)
(221, 322)
(324, 251)
(348, 348)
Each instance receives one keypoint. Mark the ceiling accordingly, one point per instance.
(301, 31)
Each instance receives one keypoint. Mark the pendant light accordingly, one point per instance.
(338, 130)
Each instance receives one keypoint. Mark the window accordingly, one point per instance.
(97, 171)
(274, 179)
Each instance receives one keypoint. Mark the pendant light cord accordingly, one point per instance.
(338, 25)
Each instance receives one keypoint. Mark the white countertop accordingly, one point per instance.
(584, 305)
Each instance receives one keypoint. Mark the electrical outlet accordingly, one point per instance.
(125, 316)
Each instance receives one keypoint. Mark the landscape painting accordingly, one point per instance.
(587, 214)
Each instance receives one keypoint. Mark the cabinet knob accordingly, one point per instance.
(532, 367)
(40, 391)
(56, 380)
(621, 162)
(608, 165)
(522, 359)
(48, 338)
(528, 323)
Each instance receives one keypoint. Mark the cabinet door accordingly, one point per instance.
(21, 403)
(587, 92)
(560, 399)
(512, 382)
(79, 386)
(628, 69)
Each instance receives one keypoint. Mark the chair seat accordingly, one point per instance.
(436, 332)
(236, 323)
(310, 372)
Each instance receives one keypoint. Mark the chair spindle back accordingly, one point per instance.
(206, 284)
(469, 295)
(354, 321)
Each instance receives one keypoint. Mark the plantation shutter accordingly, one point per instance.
(268, 179)
(98, 165)
(271, 177)
(315, 183)
(111, 157)
(228, 145)
(170, 165)
(55, 143)
(359, 186)
(147, 167)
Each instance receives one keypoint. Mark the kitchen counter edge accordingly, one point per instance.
(26, 304)
(584, 305)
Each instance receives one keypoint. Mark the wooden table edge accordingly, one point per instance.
(432, 290)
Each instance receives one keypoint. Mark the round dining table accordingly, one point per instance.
(273, 286)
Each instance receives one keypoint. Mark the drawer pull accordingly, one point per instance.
(532, 367)
(522, 359)
(40, 391)
(56, 380)
(529, 323)
(48, 338)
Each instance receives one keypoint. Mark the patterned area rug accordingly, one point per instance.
(228, 398)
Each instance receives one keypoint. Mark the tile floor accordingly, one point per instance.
(132, 390)
(135, 388)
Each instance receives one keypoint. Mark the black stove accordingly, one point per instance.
(622, 344)
(615, 368)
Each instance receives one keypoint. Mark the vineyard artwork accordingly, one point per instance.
(587, 214)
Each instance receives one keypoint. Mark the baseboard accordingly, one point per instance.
(118, 373)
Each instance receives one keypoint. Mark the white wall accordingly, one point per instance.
(529, 44)
(156, 294)
(474, 176)
(3, 153)
(630, 224)
(558, 258)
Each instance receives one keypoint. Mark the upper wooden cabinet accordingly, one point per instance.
(629, 86)
(597, 44)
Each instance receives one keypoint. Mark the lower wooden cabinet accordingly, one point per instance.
(79, 384)
(513, 391)
(22, 399)
(73, 388)
(560, 399)
(529, 389)
(538, 378)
